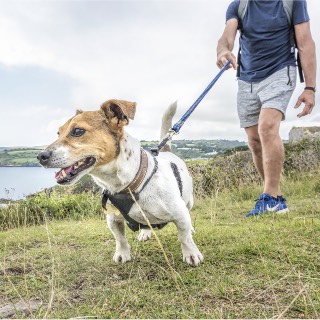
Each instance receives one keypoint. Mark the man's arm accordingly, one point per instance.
(307, 53)
(226, 44)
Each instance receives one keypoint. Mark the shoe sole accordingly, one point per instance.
(286, 210)
(282, 211)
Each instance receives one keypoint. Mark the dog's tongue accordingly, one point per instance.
(66, 171)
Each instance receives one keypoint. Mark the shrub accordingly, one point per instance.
(238, 170)
(55, 205)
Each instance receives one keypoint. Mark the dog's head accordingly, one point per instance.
(88, 140)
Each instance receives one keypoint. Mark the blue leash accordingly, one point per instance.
(177, 126)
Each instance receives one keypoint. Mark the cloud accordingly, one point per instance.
(76, 54)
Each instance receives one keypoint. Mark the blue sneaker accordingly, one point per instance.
(266, 203)
(283, 208)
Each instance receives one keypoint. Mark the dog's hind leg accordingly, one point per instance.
(144, 235)
(190, 251)
(117, 227)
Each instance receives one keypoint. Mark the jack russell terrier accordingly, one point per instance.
(95, 143)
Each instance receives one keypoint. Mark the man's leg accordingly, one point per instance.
(254, 143)
(272, 149)
(272, 96)
(267, 149)
(268, 155)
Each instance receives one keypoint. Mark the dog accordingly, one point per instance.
(147, 189)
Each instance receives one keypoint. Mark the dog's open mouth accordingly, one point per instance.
(69, 173)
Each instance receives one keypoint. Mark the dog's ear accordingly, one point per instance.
(120, 109)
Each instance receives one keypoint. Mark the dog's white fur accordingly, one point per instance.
(160, 200)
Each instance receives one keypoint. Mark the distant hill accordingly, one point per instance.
(199, 149)
(22, 148)
(19, 157)
(186, 149)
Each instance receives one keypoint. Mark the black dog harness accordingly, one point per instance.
(123, 200)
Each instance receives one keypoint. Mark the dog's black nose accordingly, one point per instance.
(44, 157)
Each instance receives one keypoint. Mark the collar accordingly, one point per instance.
(136, 182)
(140, 175)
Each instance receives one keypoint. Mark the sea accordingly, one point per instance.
(18, 182)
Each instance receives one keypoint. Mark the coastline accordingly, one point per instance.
(16, 166)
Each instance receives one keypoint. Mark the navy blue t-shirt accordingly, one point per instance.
(265, 39)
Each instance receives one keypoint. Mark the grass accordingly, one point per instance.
(263, 267)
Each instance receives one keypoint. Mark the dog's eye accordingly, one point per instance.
(77, 132)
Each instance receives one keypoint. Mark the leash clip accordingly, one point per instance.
(170, 134)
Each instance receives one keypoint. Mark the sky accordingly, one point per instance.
(59, 56)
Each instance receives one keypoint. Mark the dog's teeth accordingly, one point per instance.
(59, 175)
(63, 174)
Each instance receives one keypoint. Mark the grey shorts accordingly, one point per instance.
(273, 92)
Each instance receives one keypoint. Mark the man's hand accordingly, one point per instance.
(226, 56)
(308, 98)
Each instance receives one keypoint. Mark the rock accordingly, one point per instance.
(297, 134)
(26, 307)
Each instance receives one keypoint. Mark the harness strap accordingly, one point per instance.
(124, 202)
(155, 169)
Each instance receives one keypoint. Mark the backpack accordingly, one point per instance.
(288, 8)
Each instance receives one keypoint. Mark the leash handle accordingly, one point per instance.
(177, 126)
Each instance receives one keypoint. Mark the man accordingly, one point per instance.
(266, 82)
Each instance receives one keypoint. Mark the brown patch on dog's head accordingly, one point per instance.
(103, 129)
(89, 135)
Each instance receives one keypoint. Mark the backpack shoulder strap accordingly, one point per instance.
(242, 9)
(288, 8)
(287, 4)
(243, 5)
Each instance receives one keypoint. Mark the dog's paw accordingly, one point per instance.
(122, 256)
(193, 258)
(144, 235)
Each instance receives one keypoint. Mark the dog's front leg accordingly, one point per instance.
(190, 251)
(117, 227)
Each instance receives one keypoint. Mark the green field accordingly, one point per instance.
(19, 157)
(60, 258)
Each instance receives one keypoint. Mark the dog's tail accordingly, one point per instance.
(167, 122)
